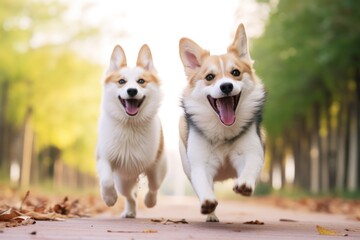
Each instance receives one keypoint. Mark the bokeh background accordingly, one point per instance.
(53, 55)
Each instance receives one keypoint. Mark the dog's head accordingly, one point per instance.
(218, 80)
(128, 90)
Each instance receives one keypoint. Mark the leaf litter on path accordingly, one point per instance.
(133, 231)
(38, 208)
(256, 222)
(163, 221)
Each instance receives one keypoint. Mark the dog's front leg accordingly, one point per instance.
(248, 165)
(107, 188)
(202, 174)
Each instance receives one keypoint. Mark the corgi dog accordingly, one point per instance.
(130, 138)
(220, 134)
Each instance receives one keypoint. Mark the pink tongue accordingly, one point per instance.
(226, 110)
(131, 107)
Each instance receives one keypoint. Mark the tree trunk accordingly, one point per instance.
(353, 150)
(324, 158)
(315, 152)
(4, 141)
(27, 152)
(357, 104)
(341, 148)
(298, 154)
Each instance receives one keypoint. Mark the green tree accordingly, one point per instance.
(309, 60)
(49, 94)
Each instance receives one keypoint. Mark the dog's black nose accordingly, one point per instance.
(132, 92)
(226, 88)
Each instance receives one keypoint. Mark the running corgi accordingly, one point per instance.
(130, 138)
(220, 134)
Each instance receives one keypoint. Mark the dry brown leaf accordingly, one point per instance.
(183, 221)
(163, 221)
(23, 220)
(256, 222)
(46, 216)
(24, 199)
(157, 220)
(324, 231)
(149, 231)
(129, 231)
(287, 220)
(9, 214)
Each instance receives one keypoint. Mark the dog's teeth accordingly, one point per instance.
(217, 104)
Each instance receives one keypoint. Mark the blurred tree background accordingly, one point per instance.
(309, 60)
(47, 96)
(308, 57)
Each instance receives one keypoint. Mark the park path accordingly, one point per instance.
(150, 224)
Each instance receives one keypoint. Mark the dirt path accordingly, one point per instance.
(232, 215)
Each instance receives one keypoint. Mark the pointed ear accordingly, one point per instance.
(240, 44)
(144, 59)
(118, 59)
(191, 54)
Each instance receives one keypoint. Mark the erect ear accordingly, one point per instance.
(118, 59)
(240, 45)
(144, 59)
(191, 54)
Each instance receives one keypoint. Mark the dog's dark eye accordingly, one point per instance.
(122, 81)
(235, 73)
(141, 81)
(210, 77)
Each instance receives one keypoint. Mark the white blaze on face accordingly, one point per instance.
(130, 93)
(223, 94)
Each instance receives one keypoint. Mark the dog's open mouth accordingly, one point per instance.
(131, 105)
(225, 108)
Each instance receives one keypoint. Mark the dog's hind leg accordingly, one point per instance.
(155, 175)
(127, 187)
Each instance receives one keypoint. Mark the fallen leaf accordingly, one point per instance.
(287, 220)
(24, 199)
(157, 220)
(183, 221)
(256, 222)
(23, 220)
(45, 216)
(149, 231)
(9, 214)
(129, 231)
(324, 231)
(163, 221)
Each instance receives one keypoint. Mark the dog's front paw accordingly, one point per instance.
(150, 199)
(109, 195)
(208, 206)
(244, 188)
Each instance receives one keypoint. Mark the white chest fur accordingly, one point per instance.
(130, 147)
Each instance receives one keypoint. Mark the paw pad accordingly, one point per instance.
(243, 190)
(208, 206)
